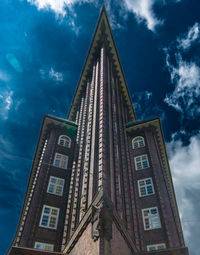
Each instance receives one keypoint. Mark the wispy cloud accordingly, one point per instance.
(186, 40)
(184, 162)
(5, 103)
(186, 95)
(144, 106)
(51, 74)
(143, 9)
(56, 76)
(185, 76)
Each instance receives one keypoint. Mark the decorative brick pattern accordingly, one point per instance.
(30, 195)
(75, 212)
(72, 193)
(84, 192)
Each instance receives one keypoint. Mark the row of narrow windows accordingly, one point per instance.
(150, 216)
(50, 215)
(50, 247)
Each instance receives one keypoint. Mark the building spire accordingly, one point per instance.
(104, 34)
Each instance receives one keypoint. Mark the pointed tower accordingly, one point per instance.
(100, 182)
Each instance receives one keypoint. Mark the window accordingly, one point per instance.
(151, 218)
(55, 186)
(60, 160)
(138, 142)
(44, 246)
(64, 141)
(141, 162)
(49, 217)
(145, 187)
(155, 247)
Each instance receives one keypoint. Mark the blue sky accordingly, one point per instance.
(43, 45)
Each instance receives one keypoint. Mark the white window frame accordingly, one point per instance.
(66, 141)
(156, 247)
(62, 160)
(153, 219)
(50, 217)
(45, 246)
(141, 161)
(145, 186)
(138, 144)
(55, 185)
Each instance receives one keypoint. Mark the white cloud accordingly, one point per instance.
(51, 74)
(186, 95)
(143, 9)
(188, 38)
(184, 162)
(5, 103)
(58, 6)
(56, 76)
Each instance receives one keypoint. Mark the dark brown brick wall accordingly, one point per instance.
(32, 232)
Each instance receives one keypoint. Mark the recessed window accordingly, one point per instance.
(138, 142)
(44, 246)
(55, 186)
(145, 187)
(60, 160)
(49, 217)
(141, 162)
(151, 218)
(155, 247)
(64, 141)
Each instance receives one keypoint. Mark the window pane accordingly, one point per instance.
(152, 248)
(148, 181)
(51, 188)
(154, 211)
(39, 246)
(57, 162)
(52, 222)
(53, 180)
(139, 165)
(48, 248)
(45, 220)
(58, 190)
(61, 142)
(160, 247)
(143, 191)
(60, 181)
(47, 210)
(144, 157)
(54, 212)
(149, 190)
(144, 164)
(141, 183)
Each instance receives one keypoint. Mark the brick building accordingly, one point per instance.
(100, 183)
